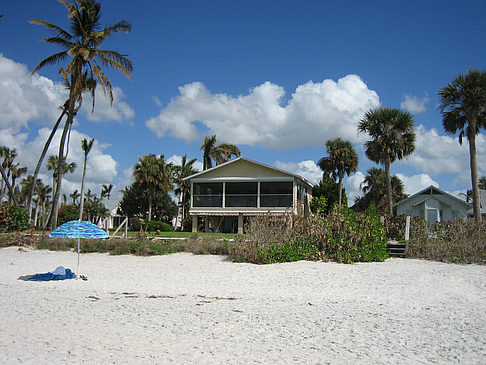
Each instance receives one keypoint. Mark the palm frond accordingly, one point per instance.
(58, 30)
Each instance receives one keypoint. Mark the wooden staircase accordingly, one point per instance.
(397, 249)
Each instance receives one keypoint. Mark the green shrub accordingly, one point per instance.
(67, 212)
(343, 235)
(13, 219)
(154, 226)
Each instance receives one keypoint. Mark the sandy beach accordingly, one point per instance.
(185, 309)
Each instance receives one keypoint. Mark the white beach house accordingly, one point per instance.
(225, 195)
(434, 205)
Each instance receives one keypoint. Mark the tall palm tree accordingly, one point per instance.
(392, 137)
(42, 156)
(54, 166)
(86, 147)
(208, 151)
(16, 173)
(342, 159)
(43, 197)
(82, 43)
(153, 173)
(182, 171)
(463, 108)
(219, 153)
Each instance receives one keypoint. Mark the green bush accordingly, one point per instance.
(67, 212)
(343, 236)
(153, 226)
(13, 219)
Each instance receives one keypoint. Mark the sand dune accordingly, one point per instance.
(186, 309)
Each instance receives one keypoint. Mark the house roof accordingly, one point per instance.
(432, 190)
(223, 165)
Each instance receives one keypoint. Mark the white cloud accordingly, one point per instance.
(315, 112)
(307, 169)
(414, 104)
(25, 98)
(177, 160)
(415, 183)
(104, 111)
(439, 154)
(352, 185)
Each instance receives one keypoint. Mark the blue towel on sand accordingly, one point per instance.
(59, 274)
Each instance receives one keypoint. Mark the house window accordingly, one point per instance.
(207, 195)
(276, 194)
(241, 194)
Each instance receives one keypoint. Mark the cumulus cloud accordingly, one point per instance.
(315, 112)
(353, 186)
(177, 160)
(439, 154)
(414, 104)
(307, 169)
(25, 98)
(104, 111)
(415, 183)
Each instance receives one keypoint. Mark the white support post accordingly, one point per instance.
(407, 229)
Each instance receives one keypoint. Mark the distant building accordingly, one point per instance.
(482, 205)
(434, 205)
(225, 195)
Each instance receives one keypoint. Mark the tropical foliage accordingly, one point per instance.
(219, 153)
(342, 160)
(327, 189)
(81, 43)
(463, 108)
(373, 186)
(392, 138)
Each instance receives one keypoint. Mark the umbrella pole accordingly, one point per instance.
(77, 272)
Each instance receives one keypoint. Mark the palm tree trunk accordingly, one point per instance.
(474, 172)
(81, 204)
(5, 178)
(388, 187)
(340, 191)
(55, 201)
(41, 159)
(150, 207)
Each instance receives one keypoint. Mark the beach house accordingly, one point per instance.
(434, 205)
(223, 197)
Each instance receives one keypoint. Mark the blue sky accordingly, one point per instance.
(276, 78)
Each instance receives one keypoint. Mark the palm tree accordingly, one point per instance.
(463, 108)
(82, 43)
(8, 158)
(16, 173)
(219, 153)
(86, 147)
(208, 148)
(42, 156)
(153, 173)
(74, 196)
(182, 171)
(106, 191)
(373, 186)
(342, 160)
(53, 165)
(43, 196)
(392, 137)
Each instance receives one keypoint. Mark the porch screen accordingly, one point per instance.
(241, 194)
(276, 194)
(207, 195)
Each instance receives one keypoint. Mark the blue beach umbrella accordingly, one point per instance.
(78, 229)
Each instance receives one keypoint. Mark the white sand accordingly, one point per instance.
(185, 309)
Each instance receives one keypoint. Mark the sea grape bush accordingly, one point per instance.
(342, 235)
(13, 219)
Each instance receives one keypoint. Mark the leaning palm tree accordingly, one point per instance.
(463, 108)
(219, 153)
(342, 159)
(224, 151)
(392, 137)
(86, 147)
(82, 43)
